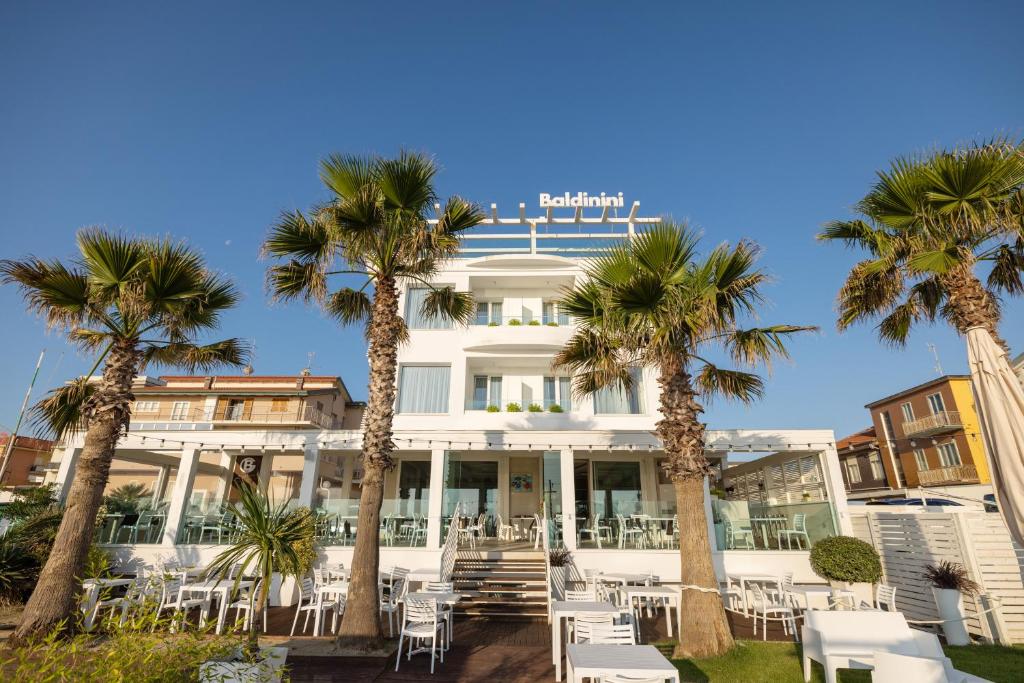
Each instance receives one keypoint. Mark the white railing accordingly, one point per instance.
(451, 547)
(947, 419)
(953, 473)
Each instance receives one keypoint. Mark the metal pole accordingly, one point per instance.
(24, 405)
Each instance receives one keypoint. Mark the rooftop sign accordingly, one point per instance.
(581, 199)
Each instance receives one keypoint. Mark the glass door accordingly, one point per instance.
(473, 486)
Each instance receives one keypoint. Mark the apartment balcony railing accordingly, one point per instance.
(948, 475)
(945, 421)
(238, 414)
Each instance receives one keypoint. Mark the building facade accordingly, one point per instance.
(860, 458)
(929, 436)
(488, 434)
(26, 463)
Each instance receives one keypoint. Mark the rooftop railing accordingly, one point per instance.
(933, 424)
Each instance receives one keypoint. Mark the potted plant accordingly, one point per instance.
(535, 408)
(848, 564)
(493, 323)
(555, 408)
(559, 560)
(493, 409)
(534, 322)
(514, 408)
(515, 322)
(551, 323)
(950, 583)
(271, 539)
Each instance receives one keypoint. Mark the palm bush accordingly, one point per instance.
(655, 302)
(847, 559)
(132, 303)
(950, 575)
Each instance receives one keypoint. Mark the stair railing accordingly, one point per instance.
(546, 545)
(451, 546)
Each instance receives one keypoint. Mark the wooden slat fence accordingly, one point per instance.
(908, 542)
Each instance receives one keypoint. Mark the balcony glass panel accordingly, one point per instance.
(751, 525)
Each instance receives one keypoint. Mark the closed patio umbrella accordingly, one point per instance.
(999, 398)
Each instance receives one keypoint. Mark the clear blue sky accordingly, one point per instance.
(203, 121)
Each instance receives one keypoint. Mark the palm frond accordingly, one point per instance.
(733, 385)
(447, 304)
(297, 280)
(868, 292)
(1007, 268)
(406, 183)
(349, 306)
(112, 260)
(196, 357)
(61, 411)
(59, 294)
(760, 345)
(294, 236)
(458, 216)
(347, 174)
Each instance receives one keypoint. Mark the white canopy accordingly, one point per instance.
(999, 397)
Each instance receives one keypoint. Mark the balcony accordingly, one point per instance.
(232, 415)
(946, 421)
(957, 474)
(517, 336)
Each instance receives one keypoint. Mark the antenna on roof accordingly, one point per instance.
(248, 369)
(308, 370)
(935, 353)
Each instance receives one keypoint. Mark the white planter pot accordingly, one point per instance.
(268, 670)
(861, 592)
(284, 591)
(950, 604)
(558, 583)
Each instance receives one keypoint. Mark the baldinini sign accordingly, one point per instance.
(581, 199)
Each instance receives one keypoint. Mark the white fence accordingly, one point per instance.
(907, 542)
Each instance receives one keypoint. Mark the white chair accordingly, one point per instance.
(596, 530)
(885, 599)
(172, 597)
(135, 594)
(422, 622)
(799, 531)
(850, 640)
(391, 601)
(582, 623)
(447, 611)
(586, 595)
(506, 532)
(894, 668)
(767, 607)
(628, 531)
(311, 602)
(244, 606)
(739, 531)
(611, 634)
(535, 531)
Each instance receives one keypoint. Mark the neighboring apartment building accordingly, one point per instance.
(28, 460)
(929, 436)
(860, 458)
(484, 425)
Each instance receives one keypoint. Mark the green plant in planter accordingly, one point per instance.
(533, 322)
(493, 409)
(848, 559)
(951, 575)
(555, 408)
(551, 323)
(493, 323)
(514, 322)
(514, 408)
(535, 408)
(559, 557)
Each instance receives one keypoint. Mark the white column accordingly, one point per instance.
(66, 472)
(349, 465)
(227, 469)
(434, 504)
(568, 499)
(709, 516)
(187, 467)
(834, 487)
(160, 484)
(310, 472)
(266, 471)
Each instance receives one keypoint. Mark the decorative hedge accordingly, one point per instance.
(844, 558)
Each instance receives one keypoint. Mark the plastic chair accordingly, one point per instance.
(611, 634)
(739, 530)
(799, 531)
(310, 602)
(766, 607)
(172, 597)
(422, 622)
(583, 622)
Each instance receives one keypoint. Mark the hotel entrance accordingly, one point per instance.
(500, 498)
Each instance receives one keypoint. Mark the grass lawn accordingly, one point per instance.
(753, 660)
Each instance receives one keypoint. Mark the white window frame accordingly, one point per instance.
(147, 406)
(931, 403)
(489, 391)
(853, 470)
(921, 459)
(179, 410)
(944, 450)
(908, 411)
(564, 401)
(491, 317)
(877, 469)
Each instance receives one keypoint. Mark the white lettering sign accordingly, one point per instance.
(581, 199)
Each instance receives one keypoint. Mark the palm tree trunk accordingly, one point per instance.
(360, 625)
(703, 628)
(56, 594)
(970, 304)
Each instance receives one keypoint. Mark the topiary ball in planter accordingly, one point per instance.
(846, 559)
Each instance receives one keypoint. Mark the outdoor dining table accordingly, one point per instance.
(623, 579)
(667, 594)
(744, 579)
(769, 527)
(222, 588)
(566, 609)
(91, 593)
(337, 589)
(636, 661)
(813, 592)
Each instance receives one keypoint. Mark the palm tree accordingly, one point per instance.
(653, 302)
(375, 228)
(927, 224)
(132, 302)
(268, 541)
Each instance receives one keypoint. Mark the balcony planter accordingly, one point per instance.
(950, 604)
(559, 560)
(237, 669)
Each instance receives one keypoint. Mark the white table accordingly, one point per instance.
(638, 661)
(669, 597)
(623, 579)
(813, 592)
(337, 589)
(223, 587)
(442, 598)
(91, 593)
(744, 579)
(566, 609)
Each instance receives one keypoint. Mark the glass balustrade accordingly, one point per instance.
(403, 522)
(750, 525)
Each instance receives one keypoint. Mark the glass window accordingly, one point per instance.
(565, 393)
(280, 405)
(482, 310)
(414, 317)
(423, 388)
(495, 392)
(615, 400)
(473, 484)
(558, 391)
(479, 392)
(908, 412)
(852, 470)
(413, 487)
(550, 394)
(949, 455)
(548, 315)
(179, 411)
(936, 404)
(616, 489)
(920, 459)
(877, 471)
(145, 406)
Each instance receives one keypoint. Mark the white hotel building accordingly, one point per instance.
(460, 439)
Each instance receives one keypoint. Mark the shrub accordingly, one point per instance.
(535, 408)
(533, 322)
(493, 323)
(493, 409)
(514, 408)
(559, 557)
(551, 323)
(844, 558)
(951, 575)
(30, 501)
(305, 550)
(555, 408)
(514, 322)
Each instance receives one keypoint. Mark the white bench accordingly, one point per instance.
(849, 639)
